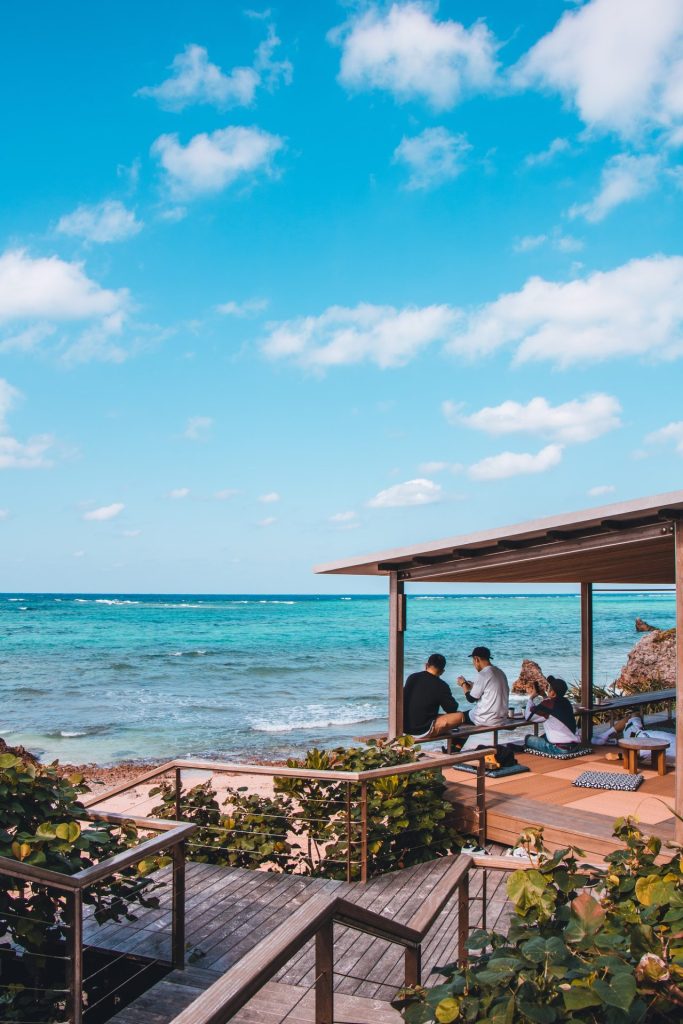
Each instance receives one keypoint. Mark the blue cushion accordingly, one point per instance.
(493, 773)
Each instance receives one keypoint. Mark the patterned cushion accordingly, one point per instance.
(493, 773)
(566, 756)
(609, 780)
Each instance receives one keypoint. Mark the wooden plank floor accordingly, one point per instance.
(229, 910)
(545, 795)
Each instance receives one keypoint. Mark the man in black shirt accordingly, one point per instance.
(423, 695)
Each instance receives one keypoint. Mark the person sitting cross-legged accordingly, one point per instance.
(557, 715)
(424, 694)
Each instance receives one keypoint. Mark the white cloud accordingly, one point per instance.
(226, 494)
(623, 178)
(109, 221)
(571, 422)
(558, 241)
(211, 162)
(9, 396)
(268, 521)
(340, 336)
(429, 468)
(596, 492)
(619, 63)
(198, 428)
(131, 533)
(507, 464)
(194, 79)
(78, 554)
(343, 517)
(242, 309)
(432, 157)
(404, 50)
(636, 309)
(29, 454)
(412, 492)
(269, 498)
(529, 242)
(50, 288)
(37, 292)
(4, 513)
(105, 512)
(179, 492)
(672, 432)
(547, 155)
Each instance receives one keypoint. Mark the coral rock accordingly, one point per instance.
(530, 672)
(651, 664)
(644, 627)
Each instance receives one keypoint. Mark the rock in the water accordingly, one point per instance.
(530, 672)
(651, 664)
(644, 627)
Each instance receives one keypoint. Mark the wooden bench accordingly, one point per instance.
(462, 732)
(635, 700)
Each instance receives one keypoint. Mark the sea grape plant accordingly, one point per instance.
(408, 820)
(583, 945)
(43, 823)
(250, 832)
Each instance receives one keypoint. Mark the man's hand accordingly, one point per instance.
(463, 683)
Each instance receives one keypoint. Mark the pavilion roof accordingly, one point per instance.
(628, 542)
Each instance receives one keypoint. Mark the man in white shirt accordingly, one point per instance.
(489, 693)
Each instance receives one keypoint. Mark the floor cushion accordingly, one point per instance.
(566, 756)
(493, 773)
(609, 780)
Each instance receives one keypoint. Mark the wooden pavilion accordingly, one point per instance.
(636, 542)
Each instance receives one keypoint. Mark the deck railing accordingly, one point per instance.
(171, 840)
(316, 920)
(351, 803)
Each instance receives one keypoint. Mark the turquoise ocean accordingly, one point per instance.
(115, 677)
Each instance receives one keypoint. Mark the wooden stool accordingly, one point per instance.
(632, 748)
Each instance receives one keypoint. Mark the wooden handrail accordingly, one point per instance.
(432, 763)
(238, 985)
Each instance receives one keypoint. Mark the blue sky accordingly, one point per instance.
(283, 285)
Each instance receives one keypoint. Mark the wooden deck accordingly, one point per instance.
(229, 910)
(546, 796)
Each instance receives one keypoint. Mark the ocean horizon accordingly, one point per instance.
(113, 677)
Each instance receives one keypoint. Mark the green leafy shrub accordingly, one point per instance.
(251, 833)
(42, 824)
(612, 955)
(407, 816)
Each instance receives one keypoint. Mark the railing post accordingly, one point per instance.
(324, 973)
(178, 794)
(464, 917)
(178, 908)
(348, 831)
(74, 917)
(413, 965)
(481, 801)
(363, 831)
(484, 896)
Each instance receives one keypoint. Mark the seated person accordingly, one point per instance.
(489, 694)
(423, 695)
(557, 714)
(632, 728)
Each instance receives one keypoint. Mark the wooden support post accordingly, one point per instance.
(464, 917)
(178, 908)
(74, 917)
(324, 974)
(363, 831)
(178, 794)
(413, 965)
(678, 795)
(397, 627)
(586, 660)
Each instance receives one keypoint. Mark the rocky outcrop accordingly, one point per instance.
(651, 664)
(21, 752)
(644, 627)
(530, 672)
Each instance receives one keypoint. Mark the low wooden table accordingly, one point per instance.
(632, 749)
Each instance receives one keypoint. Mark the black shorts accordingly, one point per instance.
(468, 720)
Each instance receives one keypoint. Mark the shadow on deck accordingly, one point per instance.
(230, 910)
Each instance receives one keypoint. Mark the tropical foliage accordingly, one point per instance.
(42, 823)
(250, 832)
(584, 945)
